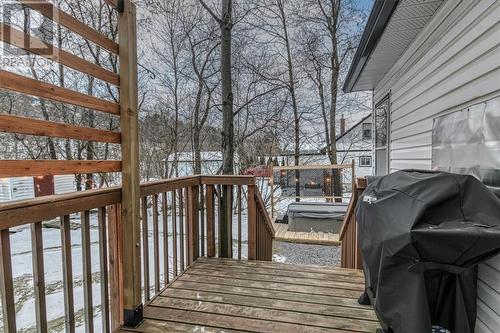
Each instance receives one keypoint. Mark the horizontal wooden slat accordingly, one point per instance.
(25, 85)
(167, 185)
(160, 326)
(30, 126)
(49, 207)
(25, 168)
(227, 322)
(227, 180)
(286, 266)
(309, 320)
(274, 304)
(17, 38)
(52, 12)
(313, 167)
(305, 290)
(312, 300)
(224, 273)
(278, 272)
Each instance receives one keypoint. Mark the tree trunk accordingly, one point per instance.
(227, 89)
(226, 25)
(335, 65)
(197, 129)
(291, 88)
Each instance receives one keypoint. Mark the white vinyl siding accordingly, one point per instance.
(452, 64)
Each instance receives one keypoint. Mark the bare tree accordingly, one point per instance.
(225, 21)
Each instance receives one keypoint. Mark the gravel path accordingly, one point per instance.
(306, 254)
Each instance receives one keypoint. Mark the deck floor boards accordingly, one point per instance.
(282, 234)
(224, 295)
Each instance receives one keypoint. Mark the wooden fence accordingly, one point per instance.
(126, 108)
(334, 168)
(178, 218)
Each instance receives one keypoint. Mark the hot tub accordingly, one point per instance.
(316, 216)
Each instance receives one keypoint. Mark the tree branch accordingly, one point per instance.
(211, 12)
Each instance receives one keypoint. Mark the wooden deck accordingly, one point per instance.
(319, 238)
(223, 295)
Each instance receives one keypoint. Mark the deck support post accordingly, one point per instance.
(127, 32)
(226, 222)
(193, 222)
(252, 224)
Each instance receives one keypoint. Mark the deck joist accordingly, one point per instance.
(223, 295)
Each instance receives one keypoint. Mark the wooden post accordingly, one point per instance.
(193, 222)
(226, 222)
(252, 224)
(127, 32)
(6, 285)
(210, 221)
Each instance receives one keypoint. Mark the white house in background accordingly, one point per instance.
(211, 163)
(356, 144)
(20, 188)
(434, 69)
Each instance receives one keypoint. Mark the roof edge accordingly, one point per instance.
(379, 17)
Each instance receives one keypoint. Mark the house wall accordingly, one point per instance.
(453, 63)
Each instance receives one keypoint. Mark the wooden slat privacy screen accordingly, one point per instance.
(32, 87)
(126, 273)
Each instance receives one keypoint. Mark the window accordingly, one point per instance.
(382, 140)
(365, 161)
(381, 114)
(367, 131)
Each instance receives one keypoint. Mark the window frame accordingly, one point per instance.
(364, 165)
(385, 100)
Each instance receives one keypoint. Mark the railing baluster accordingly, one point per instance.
(202, 220)
(210, 221)
(103, 254)
(87, 272)
(6, 284)
(67, 267)
(252, 221)
(181, 229)
(174, 233)
(38, 276)
(239, 221)
(193, 219)
(145, 248)
(166, 270)
(156, 245)
(115, 265)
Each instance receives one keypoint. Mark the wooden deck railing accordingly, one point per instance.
(178, 225)
(351, 254)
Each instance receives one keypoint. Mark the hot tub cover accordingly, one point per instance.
(317, 210)
(422, 235)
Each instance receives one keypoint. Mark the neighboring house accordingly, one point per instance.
(434, 68)
(211, 163)
(356, 144)
(21, 188)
